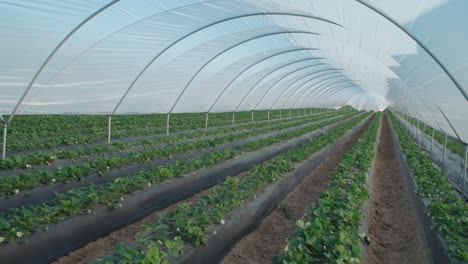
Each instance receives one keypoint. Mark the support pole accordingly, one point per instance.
(109, 129)
(422, 134)
(289, 113)
(5, 130)
(281, 113)
(252, 116)
(268, 115)
(233, 118)
(167, 123)
(445, 150)
(206, 121)
(432, 142)
(464, 171)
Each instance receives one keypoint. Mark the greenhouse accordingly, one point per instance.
(234, 131)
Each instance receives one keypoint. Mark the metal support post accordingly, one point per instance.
(167, 123)
(464, 170)
(432, 142)
(443, 154)
(109, 129)
(233, 118)
(252, 116)
(423, 131)
(206, 121)
(5, 130)
(268, 115)
(281, 113)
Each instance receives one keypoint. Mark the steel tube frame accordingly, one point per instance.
(267, 75)
(332, 90)
(54, 51)
(205, 27)
(251, 66)
(340, 94)
(4, 143)
(464, 170)
(282, 78)
(324, 89)
(302, 85)
(432, 142)
(444, 152)
(420, 44)
(109, 129)
(228, 49)
(320, 86)
(309, 89)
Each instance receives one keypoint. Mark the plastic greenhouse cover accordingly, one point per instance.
(160, 56)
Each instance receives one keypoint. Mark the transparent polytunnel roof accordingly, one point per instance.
(168, 56)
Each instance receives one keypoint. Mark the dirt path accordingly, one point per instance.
(269, 238)
(393, 230)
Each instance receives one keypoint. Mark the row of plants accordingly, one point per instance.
(48, 131)
(452, 144)
(329, 232)
(48, 157)
(189, 223)
(13, 184)
(19, 223)
(443, 204)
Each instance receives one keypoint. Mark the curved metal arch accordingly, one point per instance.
(335, 71)
(420, 44)
(120, 30)
(309, 89)
(282, 78)
(54, 51)
(208, 26)
(230, 48)
(344, 96)
(318, 89)
(328, 91)
(332, 87)
(333, 90)
(331, 101)
(251, 66)
(325, 87)
(267, 75)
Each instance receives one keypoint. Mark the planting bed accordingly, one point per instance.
(269, 238)
(453, 159)
(71, 177)
(129, 204)
(195, 238)
(442, 214)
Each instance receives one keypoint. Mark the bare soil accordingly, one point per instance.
(393, 231)
(269, 239)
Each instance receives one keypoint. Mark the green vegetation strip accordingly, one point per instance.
(453, 145)
(30, 132)
(12, 184)
(447, 209)
(329, 232)
(189, 223)
(49, 156)
(22, 222)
